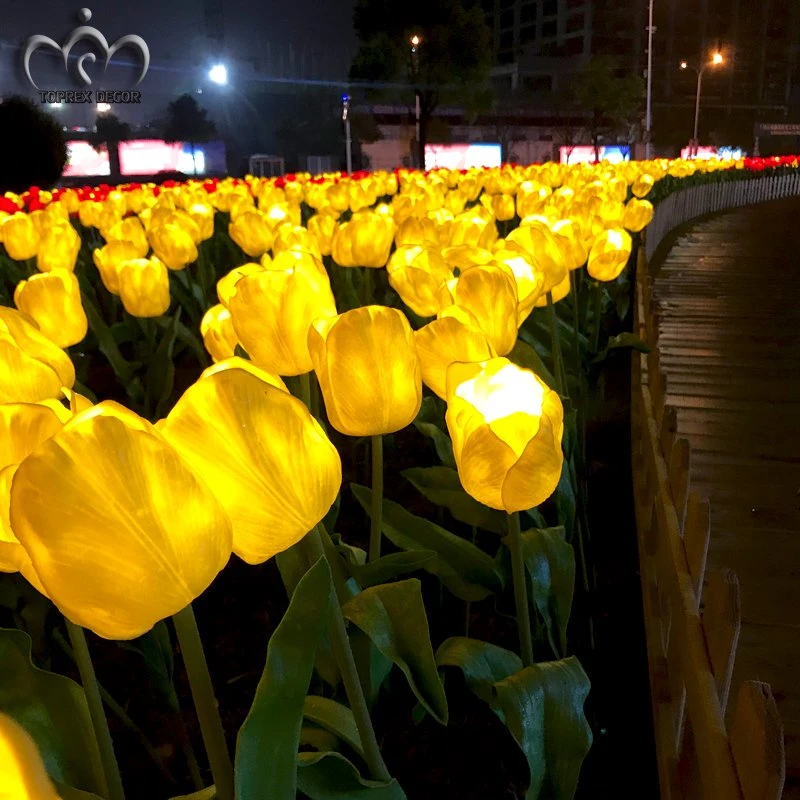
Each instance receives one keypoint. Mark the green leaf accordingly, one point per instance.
(393, 616)
(373, 666)
(387, 568)
(330, 776)
(550, 562)
(442, 486)
(463, 568)
(317, 739)
(430, 423)
(483, 664)
(628, 340)
(523, 355)
(160, 377)
(270, 734)
(334, 717)
(155, 648)
(209, 793)
(542, 706)
(53, 710)
(565, 499)
(106, 342)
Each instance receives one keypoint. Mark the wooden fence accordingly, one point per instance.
(692, 617)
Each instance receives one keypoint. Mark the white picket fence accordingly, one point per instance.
(697, 201)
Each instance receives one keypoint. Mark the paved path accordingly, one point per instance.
(729, 306)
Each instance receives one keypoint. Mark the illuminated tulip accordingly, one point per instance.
(490, 294)
(570, 239)
(219, 336)
(465, 256)
(368, 370)
(444, 341)
(529, 280)
(20, 237)
(120, 530)
(226, 285)
(417, 273)
(110, 257)
(364, 241)
(538, 242)
(295, 237)
(638, 214)
(58, 248)
(53, 299)
(642, 185)
(506, 426)
(129, 230)
(273, 310)
(475, 227)
(21, 765)
(202, 215)
(266, 458)
(33, 367)
(503, 207)
(173, 245)
(323, 226)
(144, 287)
(413, 231)
(252, 233)
(609, 254)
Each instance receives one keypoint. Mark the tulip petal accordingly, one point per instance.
(21, 765)
(266, 458)
(120, 531)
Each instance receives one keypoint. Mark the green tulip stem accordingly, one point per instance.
(205, 702)
(555, 342)
(596, 310)
(376, 516)
(347, 666)
(112, 781)
(366, 300)
(520, 589)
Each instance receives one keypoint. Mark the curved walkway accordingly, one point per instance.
(728, 298)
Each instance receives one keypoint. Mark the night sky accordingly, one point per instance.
(294, 38)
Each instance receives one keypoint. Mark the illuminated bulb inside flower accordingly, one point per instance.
(510, 390)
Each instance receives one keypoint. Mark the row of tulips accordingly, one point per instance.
(468, 304)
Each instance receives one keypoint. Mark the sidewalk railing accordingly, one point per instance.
(693, 618)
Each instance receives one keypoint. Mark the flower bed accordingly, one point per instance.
(379, 384)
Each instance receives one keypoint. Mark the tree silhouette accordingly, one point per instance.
(34, 150)
(611, 99)
(187, 121)
(451, 63)
(108, 132)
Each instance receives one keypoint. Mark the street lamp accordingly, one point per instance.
(649, 114)
(415, 42)
(103, 108)
(347, 140)
(716, 60)
(219, 74)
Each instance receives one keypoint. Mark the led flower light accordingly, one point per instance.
(219, 335)
(417, 273)
(53, 299)
(637, 216)
(506, 426)
(143, 285)
(20, 237)
(119, 529)
(609, 254)
(538, 243)
(173, 245)
(364, 241)
(252, 233)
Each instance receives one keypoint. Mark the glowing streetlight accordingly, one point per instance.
(715, 60)
(415, 42)
(103, 108)
(219, 74)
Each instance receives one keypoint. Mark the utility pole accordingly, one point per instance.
(348, 142)
(649, 118)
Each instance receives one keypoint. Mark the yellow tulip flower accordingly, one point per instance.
(489, 293)
(132, 231)
(252, 233)
(412, 231)
(33, 367)
(609, 254)
(226, 285)
(367, 367)
(638, 214)
(323, 226)
(20, 237)
(53, 299)
(58, 248)
(464, 256)
(417, 273)
(529, 279)
(202, 215)
(110, 257)
(21, 765)
(173, 245)
(266, 458)
(456, 337)
(569, 235)
(295, 237)
(537, 241)
(642, 185)
(503, 207)
(120, 530)
(364, 241)
(506, 426)
(144, 287)
(475, 227)
(273, 310)
(559, 292)
(219, 336)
